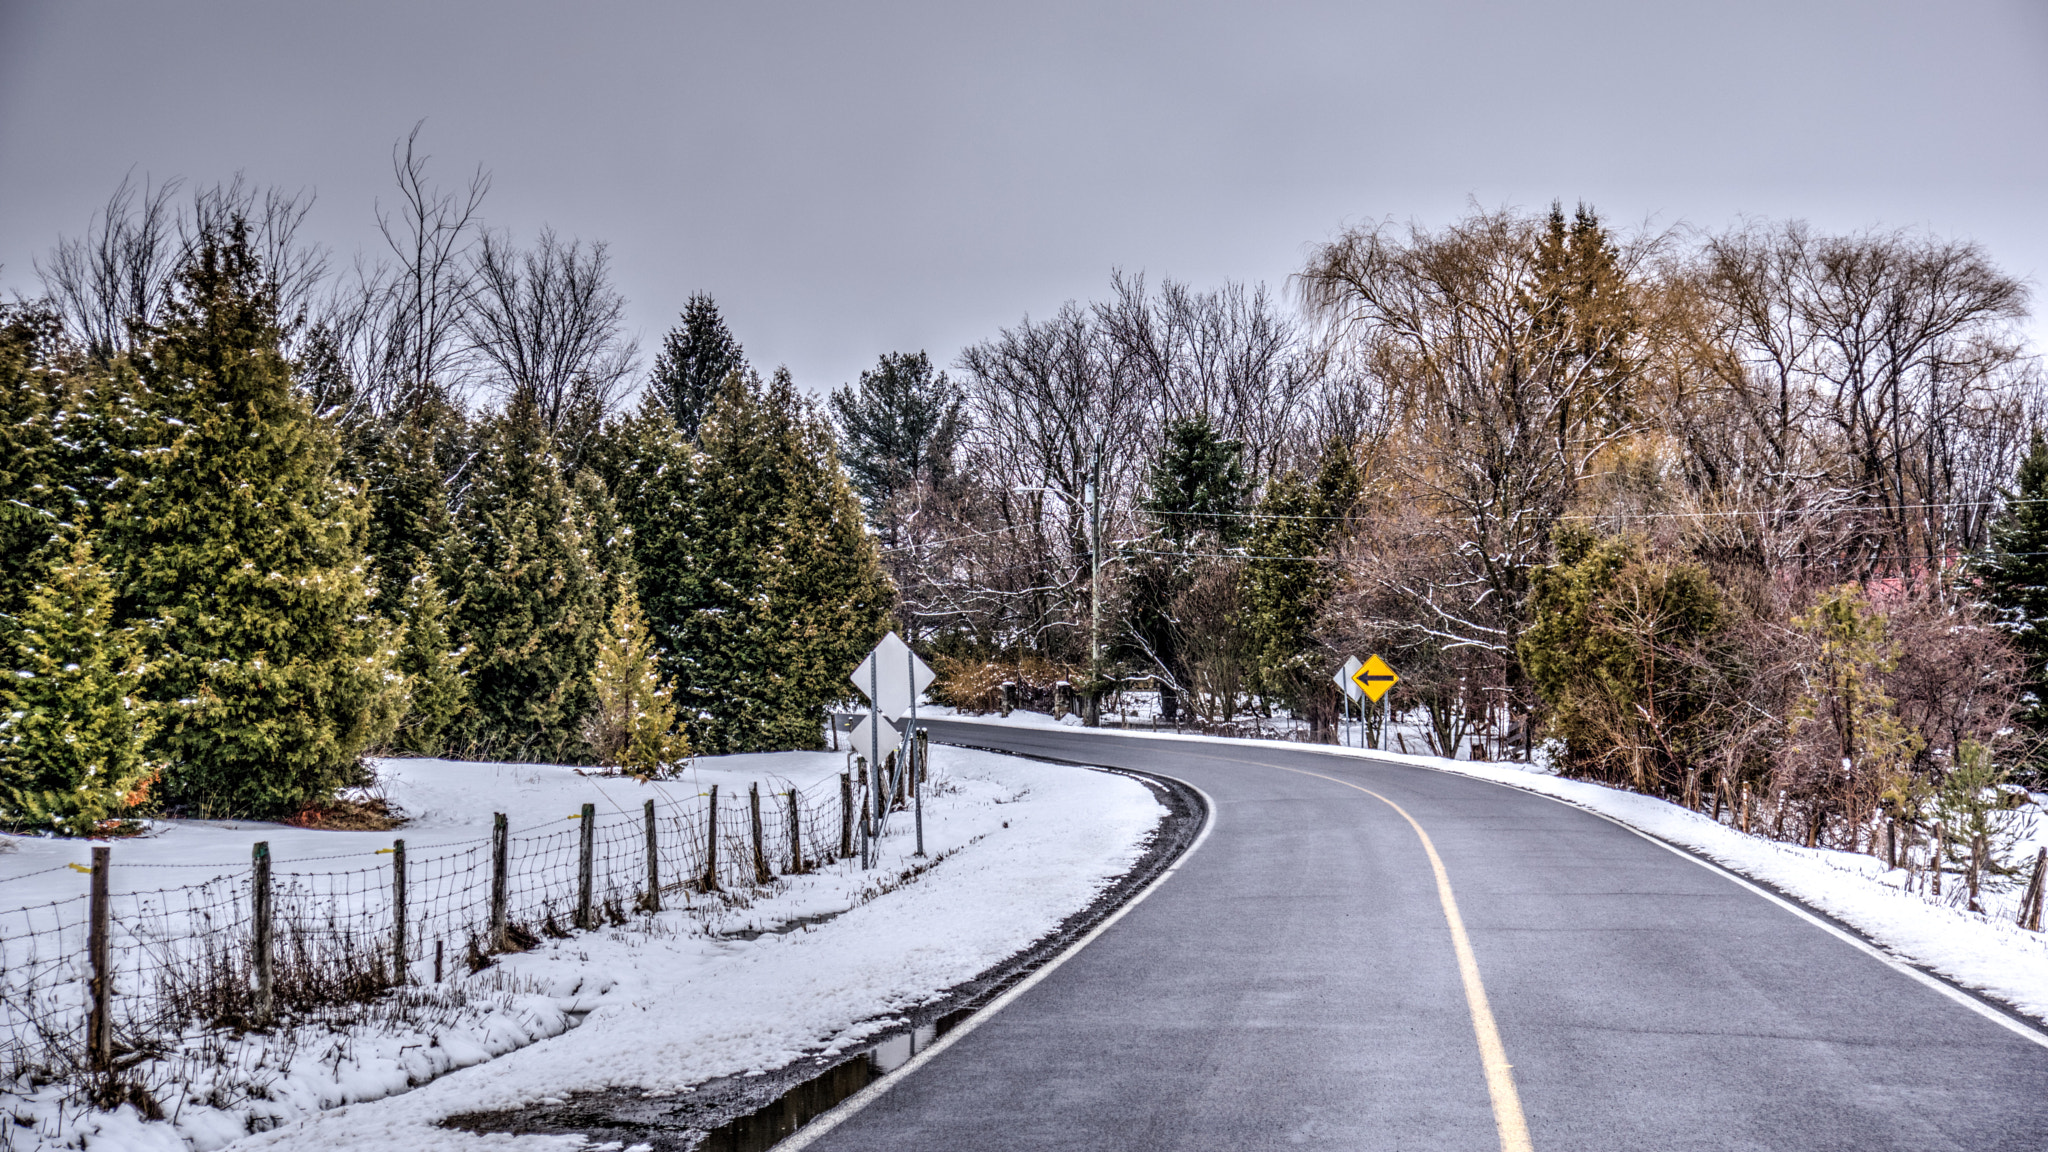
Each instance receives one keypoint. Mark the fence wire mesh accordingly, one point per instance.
(183, 964)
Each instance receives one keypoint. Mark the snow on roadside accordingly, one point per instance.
(1984, 951)
(667, 1001)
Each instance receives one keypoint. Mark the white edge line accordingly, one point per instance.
(843, 1111)
(1940, 985)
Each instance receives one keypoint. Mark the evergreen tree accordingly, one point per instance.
(69, 432)
(898, 428)
(785, 590)
(1197, 484)
(1615, 649)
(695, 358)
(1195, 498)
(650, 468)
(634, 726)
(1583, 316)
(1288, 580)
(406, 464)
(531, 601)
(243, 548)
(436, 686)
(2012, 577)
(30, 400)
(73, 732)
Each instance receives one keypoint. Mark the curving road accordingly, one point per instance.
(1297, 983)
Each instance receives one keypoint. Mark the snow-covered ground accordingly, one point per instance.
(662, 1003)
(1985, 951)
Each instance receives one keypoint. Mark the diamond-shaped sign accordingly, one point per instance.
(892, 677)
(1344, 675)
(874, 741)
(1374, 677)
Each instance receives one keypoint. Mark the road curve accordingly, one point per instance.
(1297, 983)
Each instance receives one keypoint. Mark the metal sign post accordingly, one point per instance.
(1375, 678)
(1352, 694)
(887, 698)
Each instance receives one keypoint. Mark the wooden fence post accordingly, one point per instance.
(796, 836)
(585, 848)
(398, 912)
(266, 992)
(653, 862)
(99, 1026)
(762, 873)
(2030, 903)
(501, 933)
(845, 815)
(867, 832)
(710, 881)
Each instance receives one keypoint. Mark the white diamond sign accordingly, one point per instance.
(892, 678)
(1344, 678)
(873, 740)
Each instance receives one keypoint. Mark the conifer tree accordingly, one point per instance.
(1287, 581)
(73, 729)
(2012, 577)
(695, 358)
(244, 549)
(406, 467)
(650, 469)
(531, 600)
(898, 427)
(785, 591)
(634, 724)
(69, 432)
(1196, 492)
(436, 687)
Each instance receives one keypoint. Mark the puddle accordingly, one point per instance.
(769, 1125)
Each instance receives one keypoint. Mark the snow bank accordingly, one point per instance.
(667, 1001)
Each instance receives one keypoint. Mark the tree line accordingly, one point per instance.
(260, 518)
(1710, 515)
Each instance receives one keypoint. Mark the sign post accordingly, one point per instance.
(895, 699)
(1352, 694)
(1374, 678)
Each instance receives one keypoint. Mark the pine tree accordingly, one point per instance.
(694, 361)
(1196, 494)
(2012, 577)
(243, 548)
(898, 427)
(531, 601)
(634, 724)
(436, 686)
(785, 590)
(1287, 581)
(73, 730)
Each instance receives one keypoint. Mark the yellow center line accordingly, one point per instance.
(1500, 1078)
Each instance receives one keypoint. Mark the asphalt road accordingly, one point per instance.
(1297, 984)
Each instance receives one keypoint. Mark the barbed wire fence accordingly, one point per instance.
(119, 997)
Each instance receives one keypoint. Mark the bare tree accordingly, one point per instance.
(116, 278)
(1506, 377)
(110, 285)
(547, 321)
(1864, 395)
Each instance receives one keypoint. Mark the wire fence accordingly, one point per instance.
(100, 985)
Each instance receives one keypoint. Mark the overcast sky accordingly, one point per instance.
(849, 179)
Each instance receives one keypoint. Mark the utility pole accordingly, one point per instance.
(1092, 497)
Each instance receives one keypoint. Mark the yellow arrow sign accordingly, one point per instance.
(1374, 678)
